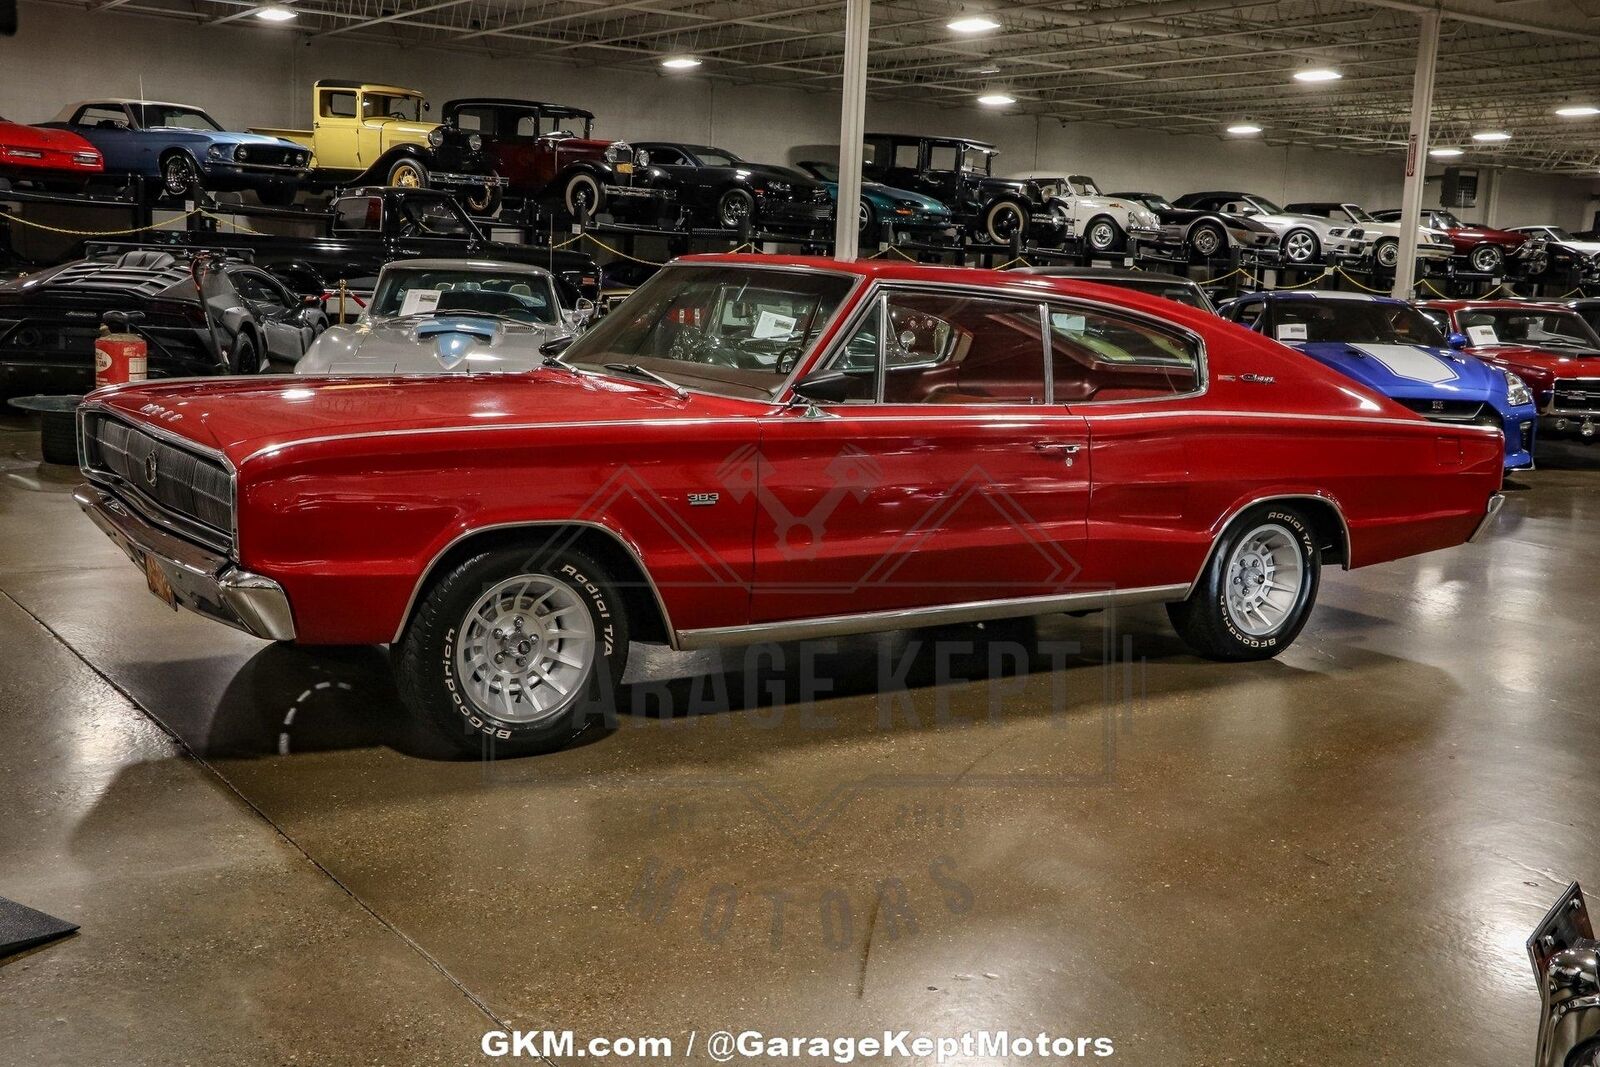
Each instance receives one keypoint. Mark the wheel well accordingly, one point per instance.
(1324, 516)
(177, 151)
(646, 618)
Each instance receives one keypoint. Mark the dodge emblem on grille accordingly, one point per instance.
(150, 469)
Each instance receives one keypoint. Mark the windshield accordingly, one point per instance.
(1444, 219)
(827, 172)
(976, 159)
(716, 157)
(1357, 214)
(1083, 186)
(382, 105)
(1154, 203)
(1357, 322)
(172, 116)
(1265, 206)
(734, 330)
(1558, 233)
(524, 296)
(1539, 328)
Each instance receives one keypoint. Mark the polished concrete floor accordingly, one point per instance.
(1332, 858)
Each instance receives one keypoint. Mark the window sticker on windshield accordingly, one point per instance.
(1068, 323)
(772, 326)
(1291, 331)
(419, 301)
(1482, 335)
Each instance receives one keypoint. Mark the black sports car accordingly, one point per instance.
(1203, 234)
(718, 188)
(201, 312)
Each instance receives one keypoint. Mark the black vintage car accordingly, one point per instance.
(717, 188)
(201, 311)
(368, 227)
(1203, 234)
(958, 172)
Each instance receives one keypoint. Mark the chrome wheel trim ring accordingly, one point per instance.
(1485, 259)
(1298, 247)
(1206, 241)
(1263, 580)
(176, 174)
(525, 649)
(735, 209)
(1388, 254)
(863, 216)
(999, 227)
(1102, 236)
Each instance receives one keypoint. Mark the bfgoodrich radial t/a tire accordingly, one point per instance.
(515, 651)
(1257, 589)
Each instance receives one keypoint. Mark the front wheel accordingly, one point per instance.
(1487, 259)
(1003, 220)
(516, 650)
(180, 178)
(1386, 253)
(866, 218)
(408, 174)
(1300, 247)
(735, 208)
(1103, 235)
(1257, 590)
(582, 197)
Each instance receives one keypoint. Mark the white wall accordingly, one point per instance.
(261, 76)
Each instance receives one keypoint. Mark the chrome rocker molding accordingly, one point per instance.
(206, 583)
(944, 614)
(1496, 502)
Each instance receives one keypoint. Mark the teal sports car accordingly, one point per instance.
(901, 208)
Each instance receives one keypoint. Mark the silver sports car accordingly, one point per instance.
(433, 316)
(1302, 239)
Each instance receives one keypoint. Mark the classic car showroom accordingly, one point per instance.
(859, 531)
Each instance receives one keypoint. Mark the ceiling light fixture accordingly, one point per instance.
(1491, 135)
(973, 24)
(276, 13)
(984, 70)
(1444, 153)
(680, 63)
(996, 100)
(1577, 111)
(1317, 74)
(1244, 129)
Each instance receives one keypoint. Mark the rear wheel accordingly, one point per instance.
(244, 358)
(1487, 259)
(1257, 590)
(1003, 220)
(1207, 240)
(516, 650)
(866, 218)
(481, 200)
(1300, 247)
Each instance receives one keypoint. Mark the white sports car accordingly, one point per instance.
(433, 316)
(1356, 233)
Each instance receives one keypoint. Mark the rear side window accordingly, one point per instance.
(358, 213)
(338, 105)
(104, 117)
(944, 349)
(1097, 356)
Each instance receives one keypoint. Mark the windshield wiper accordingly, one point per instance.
(644, 372)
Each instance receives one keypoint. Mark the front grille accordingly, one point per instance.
(271, 156)
(1576, 394)
(196, 490)
(1446, 410)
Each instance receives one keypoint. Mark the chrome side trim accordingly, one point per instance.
(1496, 502)
(944, 614)
(626, 545)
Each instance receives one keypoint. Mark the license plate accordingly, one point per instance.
(624, 168)
(156, 579)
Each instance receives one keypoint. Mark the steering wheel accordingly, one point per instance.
(787, 358)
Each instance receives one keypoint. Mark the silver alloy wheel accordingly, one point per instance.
(864, 216)
(1486, 259)
(1102, 235)
(1388, 253)
(1264, 577)
(526, 649)
(1206, 240)
(1299, 247)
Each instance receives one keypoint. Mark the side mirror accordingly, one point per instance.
(426, 107)
(583, 310)
(1457, 340)
(556, 347)
(825, 387)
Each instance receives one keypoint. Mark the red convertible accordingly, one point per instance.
(50, 157)
(755, 449)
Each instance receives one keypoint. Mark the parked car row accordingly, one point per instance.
(487, 150)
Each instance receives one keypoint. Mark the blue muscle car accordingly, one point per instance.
(185, 150)
(1392, 348)
(900, 208)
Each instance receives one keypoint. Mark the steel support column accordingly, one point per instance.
(852, 128)
(1405, 271)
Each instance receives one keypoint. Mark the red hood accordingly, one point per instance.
(246, 416)
(1541, 366)
(1488, 233)
(16, 135)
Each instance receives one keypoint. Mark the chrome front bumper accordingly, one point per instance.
(201, 580)
(1496, 502)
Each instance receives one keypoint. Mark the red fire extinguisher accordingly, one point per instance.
(120, 355)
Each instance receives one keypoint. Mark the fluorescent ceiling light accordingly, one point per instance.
(1444, 153)
(996, 100)
(1244, 129)
(1317, 74)
(275, 13)
(984, 70)
(1491, 135)
(973, 24)
(1577, 111)
(680, 62)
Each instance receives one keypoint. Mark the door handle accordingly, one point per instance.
(1068, 452)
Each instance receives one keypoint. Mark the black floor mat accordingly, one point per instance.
(22, 927)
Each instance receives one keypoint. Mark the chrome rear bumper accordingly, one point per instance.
(1496, 502)
(201, 580)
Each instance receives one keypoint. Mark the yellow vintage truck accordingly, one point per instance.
(364, 133)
